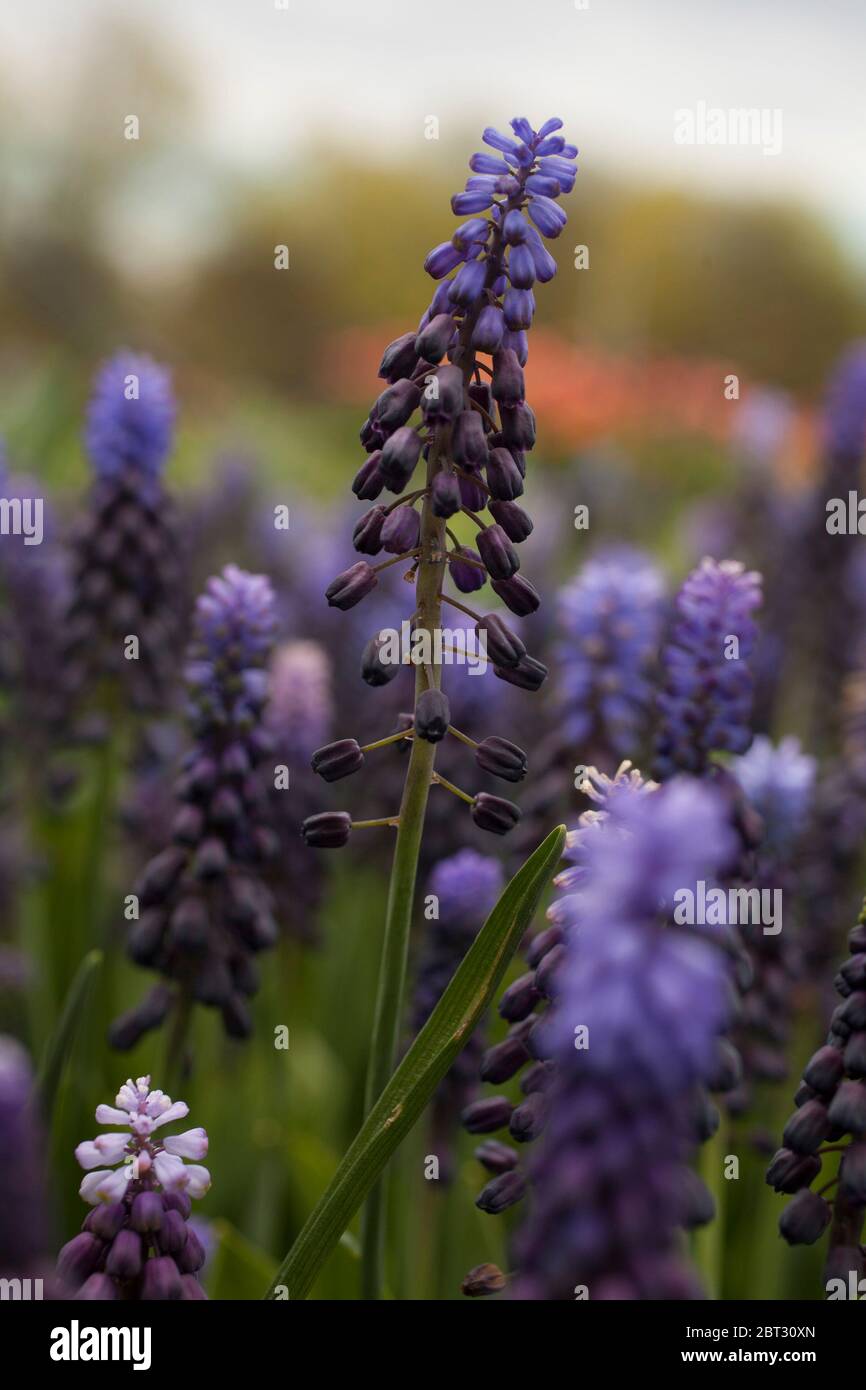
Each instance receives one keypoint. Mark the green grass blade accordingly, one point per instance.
(428, 1059)
(59, 1045)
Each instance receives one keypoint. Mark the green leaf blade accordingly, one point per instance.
(428, 1059)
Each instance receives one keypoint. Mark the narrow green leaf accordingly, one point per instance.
(59, 1045)
(428, 1059)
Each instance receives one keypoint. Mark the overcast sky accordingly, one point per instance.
(370, 71)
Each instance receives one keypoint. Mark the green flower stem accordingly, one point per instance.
(401, 894)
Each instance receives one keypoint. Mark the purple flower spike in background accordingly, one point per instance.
(206, 910)
(610, 619)
(137, 1242)
(707, 697)
(23, 1209)
(465, 887)
(127, 567)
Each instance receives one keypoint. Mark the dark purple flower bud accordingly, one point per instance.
(519, 344)
(502, 1061)
(503, 476)
(854, 1010)
(788, 1172)
(351, 586)
(192, 1256)
(145, 936)
(476, 200)
(853, 1172)
(521, 268)
(519, 999)
(502, 646)
(374, 670)
(327, 830)
(541, 944)
(824, 1070)
(172, 1233)
(805, 1218)
(396, 404)
(146, 1212)
(106, 1220)
(79, 1258)
(552, 144)
(497, 552)
(434, 339)
(432, 715)
(489, 328)
(468, 283)
(508, 385)
(472, 494)
(517, 593)
(547, 216)
(502, 759)
(476, 229)
(401, 530)
(439, 262)
(848, 1108)
(126, 1030)
(496, 1157)
(445, 494)
(468, 442)
(399, 458)
(483, 1280)
(190, 924)
(124, 1258)
(442, 398)
(495, 814)
(480, 393)
(160, 875)
(486, 1116)
(212, 859)
(368, 481)
(514, 228)
(518, 427)
(337, 760)
(518, 306)
(560, 169)
(855, 1054)
(545, 265)
(528, 674)
(399, 357)
(161, 1279)
(501, 1193)
(367, 535)
(467, 576)
(806, 1130)
(529, 1118)
(498, 141)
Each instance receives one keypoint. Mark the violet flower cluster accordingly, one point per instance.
(610, 619)
(466, 887)
(706, 701)
(127, 577)
(206, 910)
(136, 1242)
(474, 434)
(23, 1210)
(831, 1109)
(635, 1033)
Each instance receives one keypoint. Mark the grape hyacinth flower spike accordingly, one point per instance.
(136, 1242)
(127, 569)
(461, 371)
(205, 908)
(706, 701)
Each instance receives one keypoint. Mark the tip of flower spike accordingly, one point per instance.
(130, 417)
